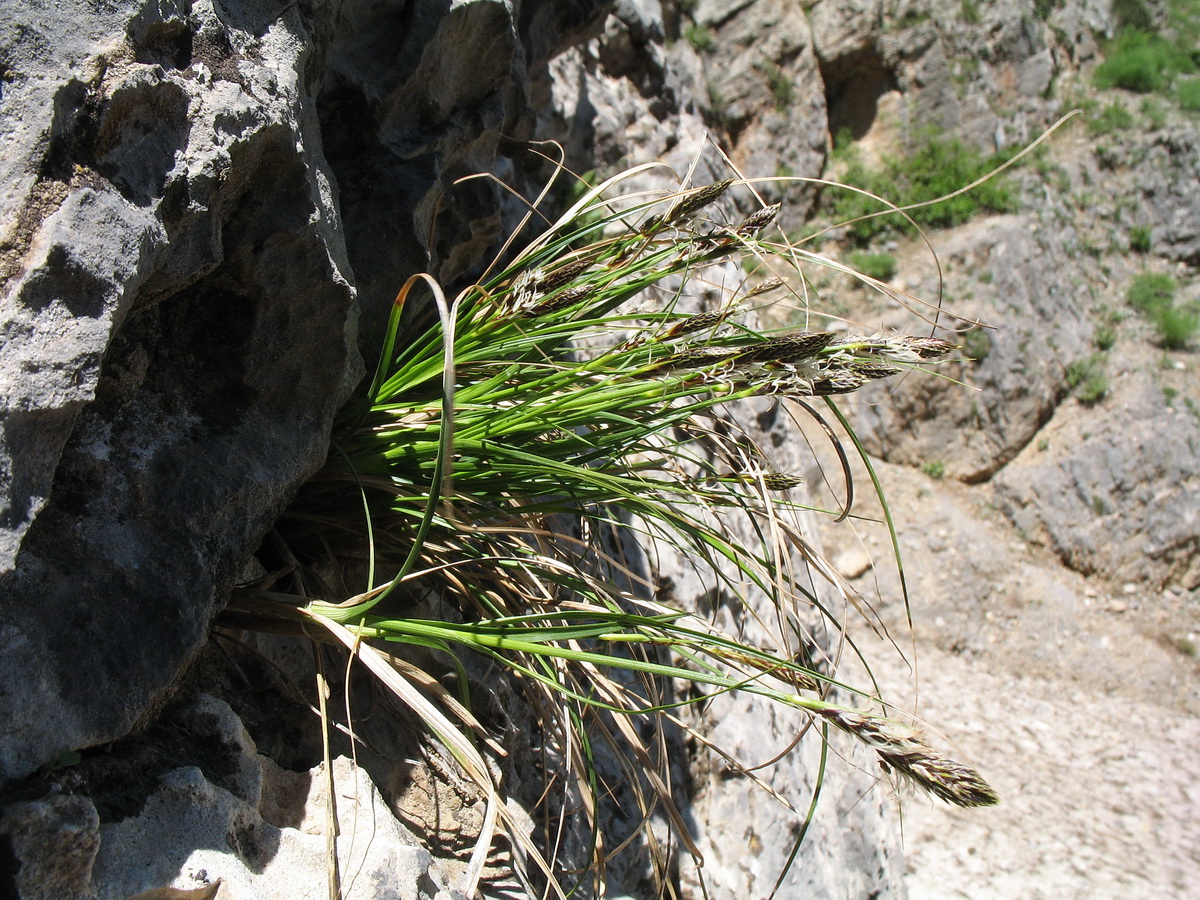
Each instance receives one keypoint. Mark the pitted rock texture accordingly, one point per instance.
(205, 211)
(177, 339)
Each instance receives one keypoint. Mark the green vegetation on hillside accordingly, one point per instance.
(1147, 57)
(935, 168)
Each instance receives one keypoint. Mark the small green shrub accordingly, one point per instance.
(1150, 292)
(1087, 379)
(970, 12)
(1105, 337)
(780, 85)
(699, 37)
(1188, 94)
(880, 266)
(1156, 116)
(977, 344)
(1093, 390)
(1140, 61)
(1113, 117)
(934, 169)
(935, 469)
(1139, 239)
(1176, 326)
(1132, 14)
(843, 143)
(1043, 8)
(717, 104)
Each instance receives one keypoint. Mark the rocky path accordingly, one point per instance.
(1078, 700)
(1100, 791)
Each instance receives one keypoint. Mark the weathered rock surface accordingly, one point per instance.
(220, 817)
(1114, 493)
(194, 195)
(746, 834)
(1035, 309)
(177, 321)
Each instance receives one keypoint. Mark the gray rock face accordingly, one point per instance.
(222, 819)
(984, 79)
(747, 835)
(1116, 495)
(1037, 308)
(52, 845)
(765, 91)
(1170, 167)
(198, 200)
(176, 318)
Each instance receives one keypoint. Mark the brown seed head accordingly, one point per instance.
(875, 370)
(696, 357)
(695, 201)
(906, 751)
(767, 284)
(561, 300)
(562, 275)
(758, 220)
(781, 481)
(838, 382)
(789, 348)
(928, 348)
(698, 323)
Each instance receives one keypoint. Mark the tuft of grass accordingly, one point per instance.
(843, 143)
(880, 266)
(517, 440)
(935, 469)
(1113, 117)
(1176, 326)
(1150, 292)
(1086, 377)
(1142, 62)
(977, 344)
(780, 84)
(1187, 94)
(1156, 115)
(1132, 14)
(700, 37)
(970, 12)
(1153, 295)
(1141, 58)
(1043, 8)
(1139, 239)
(1105, 337)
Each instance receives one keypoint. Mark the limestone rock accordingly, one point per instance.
(1114, 493)
(51, 846)
(766, 91)
(178, 318)
(1169, 170)
(1037, 309)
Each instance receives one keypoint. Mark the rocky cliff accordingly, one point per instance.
(206, 209)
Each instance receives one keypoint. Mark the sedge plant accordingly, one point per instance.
(514, 437)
